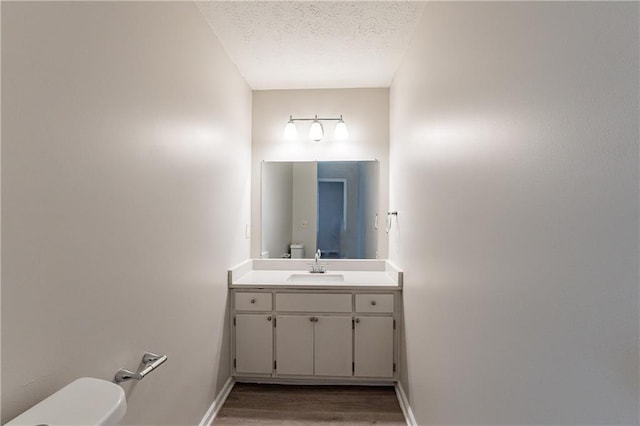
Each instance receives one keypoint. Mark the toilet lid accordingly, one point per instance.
(86, 401)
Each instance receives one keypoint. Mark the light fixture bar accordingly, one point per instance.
(316, 132)
(314, 119)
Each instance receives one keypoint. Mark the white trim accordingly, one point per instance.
(404, 405)
(217, 403)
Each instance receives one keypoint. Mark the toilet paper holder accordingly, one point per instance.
(150, 360)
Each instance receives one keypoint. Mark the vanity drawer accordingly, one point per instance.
(374, 303)
(315, 302)
(253, 301)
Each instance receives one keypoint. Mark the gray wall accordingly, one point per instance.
(277, 207)
(514, 168)
(305, 206)
(125, 195)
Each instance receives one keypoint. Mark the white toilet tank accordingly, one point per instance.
(297, 251)
(86, 401)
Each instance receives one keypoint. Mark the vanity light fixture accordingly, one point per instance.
(290, 131)
(341, 133)
(316, 132)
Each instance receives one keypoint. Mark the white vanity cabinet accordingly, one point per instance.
(373, 346)
(285, 334)
(308, 345)
(318, 342)
(254, 343)
(374, 335)
(292, 326)
(253, 332)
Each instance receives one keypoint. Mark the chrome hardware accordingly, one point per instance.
(253, 300)
(316, 268)
(150, 360)
(375, 222)
(373, 303)
(389, 220)
(269, 318)
(358, 320)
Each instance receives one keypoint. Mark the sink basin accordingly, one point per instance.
(309, 277)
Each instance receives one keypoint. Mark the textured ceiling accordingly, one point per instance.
(302, 44)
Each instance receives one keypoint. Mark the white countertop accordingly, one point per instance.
(374, 274)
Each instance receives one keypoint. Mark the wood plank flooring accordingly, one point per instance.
(253, 404)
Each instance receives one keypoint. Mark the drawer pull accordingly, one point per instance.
(269, 318)
(253, 300)
(373, 303)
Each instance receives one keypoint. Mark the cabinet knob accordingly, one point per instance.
(358, 320)
(311, 319)
(253, 300)
(373, 303)
(269, 318)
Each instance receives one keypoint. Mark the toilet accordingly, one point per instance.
(297, 251)
(85, 401)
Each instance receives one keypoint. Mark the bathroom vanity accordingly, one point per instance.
(292, 325)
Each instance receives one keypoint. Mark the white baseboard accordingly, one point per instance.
(217, 403)
(404, 405)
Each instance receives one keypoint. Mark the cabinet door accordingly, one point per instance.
(333, 346)
(374, 346)
(254, 343)
(294, 344)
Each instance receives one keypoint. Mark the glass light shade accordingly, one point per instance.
(316, 132)
(290, 131)
(341, 132)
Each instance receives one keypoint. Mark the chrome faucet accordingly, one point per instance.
(316, 268)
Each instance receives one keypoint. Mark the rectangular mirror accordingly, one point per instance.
(326, 205)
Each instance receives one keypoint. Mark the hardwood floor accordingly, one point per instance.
(253, 404)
